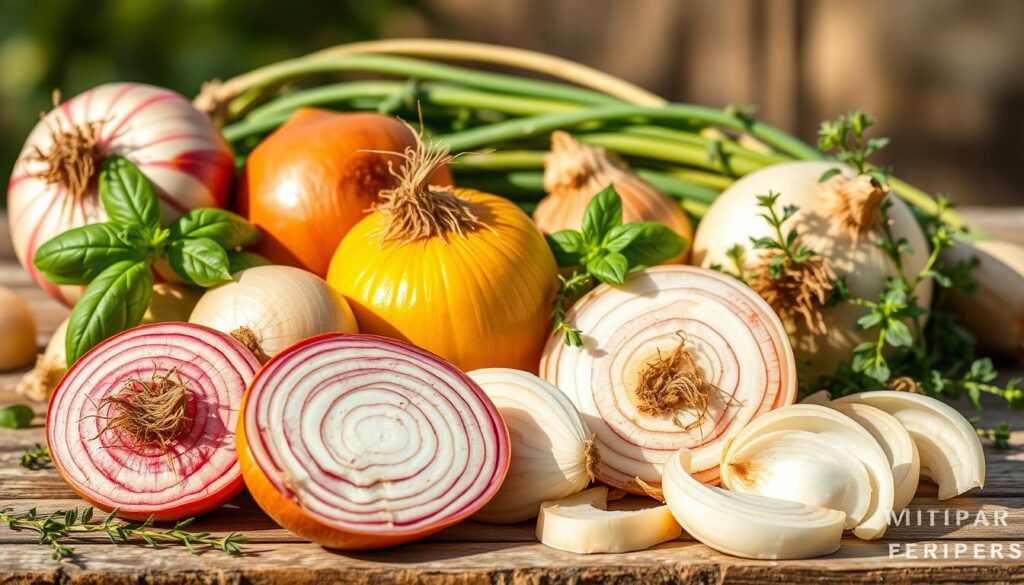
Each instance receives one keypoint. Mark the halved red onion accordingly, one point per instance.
(704, 320)
(358, 441)
(193, 468)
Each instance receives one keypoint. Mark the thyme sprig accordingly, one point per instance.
(37, 457)
(569, 290)
(54, 529)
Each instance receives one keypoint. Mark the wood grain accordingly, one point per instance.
(473, 552)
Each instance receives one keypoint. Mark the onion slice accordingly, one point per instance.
(360, 442)
(642, 340)
(144, 422)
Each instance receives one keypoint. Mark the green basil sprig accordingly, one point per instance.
(114, 259)
(607, 250)
(16, 416)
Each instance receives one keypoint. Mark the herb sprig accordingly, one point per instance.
(54, 530)
(37, 457)
(115, 258)
(605, 250)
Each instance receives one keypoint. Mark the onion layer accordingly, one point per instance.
(145, 421)
(677, 357)
(359, 442)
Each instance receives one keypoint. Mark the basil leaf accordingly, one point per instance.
(603, 213)
(199, 261)
(610, 268)
(116, 300)
(238, 261)
(16, 416)
(227, 229)
(567, 246)
(645, 244)
(78, 255)
(128, 197)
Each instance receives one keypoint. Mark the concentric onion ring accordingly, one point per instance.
(732, 335)
(358, 441)
(195, 472)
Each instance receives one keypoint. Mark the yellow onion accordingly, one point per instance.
(574, 172)
(840, 219)
(17, 331)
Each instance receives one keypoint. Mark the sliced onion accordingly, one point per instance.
(736, 340)
(195, 472)
(358, 441)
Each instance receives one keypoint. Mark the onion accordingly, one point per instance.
(17, 331)
(838, 219)
(144, 422)
(268, 308)
(553, 455)
(677, 357)
(52, 187)
(170, 302)
(359, 442)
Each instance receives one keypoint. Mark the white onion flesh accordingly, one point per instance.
(736, 340)
(199, 470)
(550, 444)
(746, 525)
(375, 436)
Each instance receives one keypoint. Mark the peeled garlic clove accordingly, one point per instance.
(552, 453)
(839, 432)
(798, 466)
(950, 450)
(582, 524)
(895, 441)
(746, 525)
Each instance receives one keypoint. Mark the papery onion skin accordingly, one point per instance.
(17, 331)
(650, 312)
(173, 144)
(288, 510)
(314, 178)
(224, 484)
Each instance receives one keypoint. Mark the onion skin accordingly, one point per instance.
(17, 331)
(176, 147)
(289, 513)
(734, 218)
(311, 180)
(479, 300)
(214, 496)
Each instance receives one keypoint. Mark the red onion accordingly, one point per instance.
(145, 421)
(358, 442)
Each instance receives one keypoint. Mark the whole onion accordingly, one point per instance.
(53, 188)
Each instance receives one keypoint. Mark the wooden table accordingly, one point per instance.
(479, 553)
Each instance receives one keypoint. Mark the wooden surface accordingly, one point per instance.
(480, 553)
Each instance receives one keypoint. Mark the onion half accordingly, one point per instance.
(115, 437)
(737, 343)
(360, 442)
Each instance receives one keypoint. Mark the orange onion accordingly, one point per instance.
(359, 442)
(677, 357)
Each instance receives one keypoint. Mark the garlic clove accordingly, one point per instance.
(583, 524)
(838, 432)
(950, 450)
(747, 525)
(798, 466)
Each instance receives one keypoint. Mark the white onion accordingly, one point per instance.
(737, 342)
(553, 455)
(175, 146)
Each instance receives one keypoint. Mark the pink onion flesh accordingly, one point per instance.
(177, 147)
(195, 473)
(736, 340)
(377, 435)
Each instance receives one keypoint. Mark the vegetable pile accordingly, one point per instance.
(489, 315)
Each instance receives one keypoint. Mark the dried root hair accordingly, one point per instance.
(799, 294)
(74, 156)
(856, 203)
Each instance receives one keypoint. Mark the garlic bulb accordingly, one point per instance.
(268, 308)
(583, 524)
(574, 172)
(995, 313)
(799, 472)
(553, 455)
(839, 219)
(950, 450)
(17, 331)
(749, 526)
